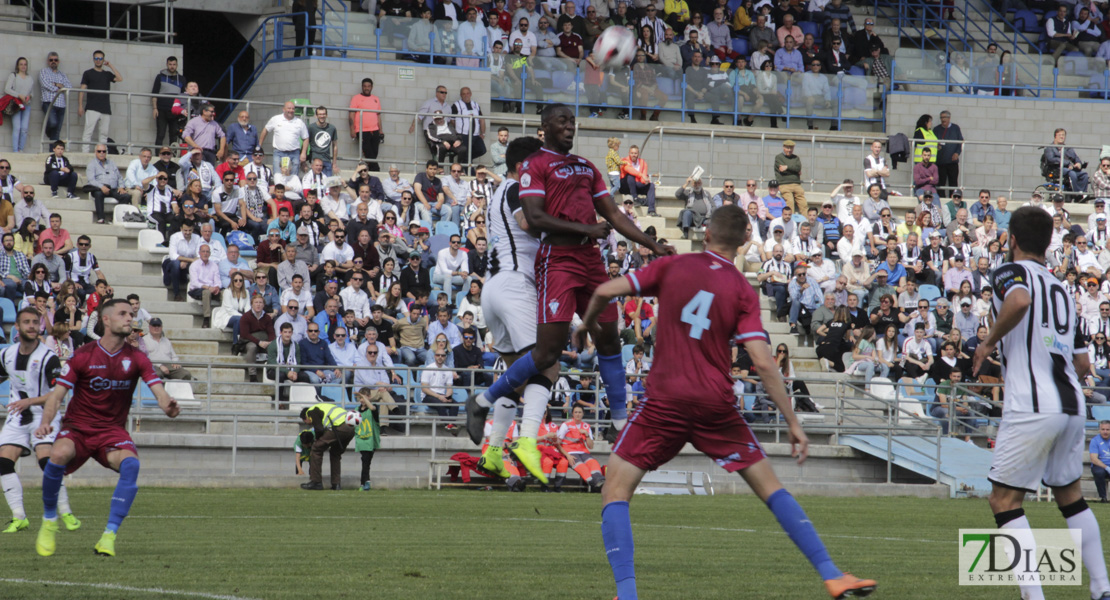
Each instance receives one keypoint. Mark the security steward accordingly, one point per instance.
(329, 422)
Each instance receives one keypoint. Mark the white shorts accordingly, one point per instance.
(16, 433)
(509, 306)
(1035, 448)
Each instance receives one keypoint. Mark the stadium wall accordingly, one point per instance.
(138, 63)
(1005, 121)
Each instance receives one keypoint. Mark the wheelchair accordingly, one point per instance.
(1052, 185)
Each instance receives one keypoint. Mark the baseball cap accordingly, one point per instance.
(414, 222)
(927, 194)
(414, 255)
(1057, 197)
(959, 257)
(773, 183)
(334, 181)
(1100, 201)
(965, 302)
(860, 254)
(156, 322)
(934, 234)
(1100, 218)
(302, 230)
(817, 252)
(957, 194)
(714, 59)
(827, 203)
(258, 150)
(422, 230)
(1037, 194)
(779, 228)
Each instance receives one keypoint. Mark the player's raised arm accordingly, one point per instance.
(764, 364)
(167, 403)
(50, 406)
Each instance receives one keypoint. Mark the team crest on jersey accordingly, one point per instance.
(65, 369)
(126, 364)
(714, 267)
(525, 179)
(554, 306)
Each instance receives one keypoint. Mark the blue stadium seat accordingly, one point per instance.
(1026, 21)
(447, 228)
(626, 352)
(929, 292)
(740, 46)
(462, 294)
(1101, 412)
(813, 28)
(5, 392)
(438, 242)
(857, 70)
(9, 311)
(426, 223)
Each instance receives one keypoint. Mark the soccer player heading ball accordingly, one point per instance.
(705, 303)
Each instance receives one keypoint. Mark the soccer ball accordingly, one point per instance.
(615, 48)
(354, 419)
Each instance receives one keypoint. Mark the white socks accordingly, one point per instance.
(1019, 528)
(1092, 550)
(504, 412)
(483, 400)
(535, 403)
(13, 493)
(63, 500)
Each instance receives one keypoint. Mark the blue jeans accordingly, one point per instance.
(445, 213)
(58, 179)
(414, 357)
(940, 413)
(1100, 480)
(447, 282)
(54, 117)
(327, 168)
(294, 161)
(21, 120)
(1078, 180)
(173, 275)
(234, 325)
(12, 291)
(311, 377)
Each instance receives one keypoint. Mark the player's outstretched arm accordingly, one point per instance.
(764, 364)
(532, 207)
(609, 211)
(1014, 306)
(601, 298)
(50, 406)
(168, 404)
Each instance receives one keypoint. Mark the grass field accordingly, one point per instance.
(286, 544)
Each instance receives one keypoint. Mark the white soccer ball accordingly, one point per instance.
(615, 48)
(354, 419)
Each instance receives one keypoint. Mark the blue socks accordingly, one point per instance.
(51, 484)
(612, 375)
(797, 525)
(124, 495)
(515, 376)
(616, 532)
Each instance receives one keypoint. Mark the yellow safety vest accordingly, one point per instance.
(333, 415)
(919, 145)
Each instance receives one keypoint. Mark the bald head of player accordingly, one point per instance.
(558, 123)
(727, 230)
(519, 150)
(117, 315)
(1030, 233)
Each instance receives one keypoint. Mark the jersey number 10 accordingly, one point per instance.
(696, 313)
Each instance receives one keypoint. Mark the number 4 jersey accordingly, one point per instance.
(704, 305)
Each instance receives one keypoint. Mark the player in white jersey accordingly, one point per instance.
(31, 369)
(509, 305)
(1040, 438)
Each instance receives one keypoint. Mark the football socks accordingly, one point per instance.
(523, 369)
(612, 375)
(801, 531)
(504, 412)
(51, 484)
(124, 495)
(63, 495)
(616, 532)
(1079, 516)
(13, 490)
(1015, 524)
(536, 396)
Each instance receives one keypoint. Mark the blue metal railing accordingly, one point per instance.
(927, 71)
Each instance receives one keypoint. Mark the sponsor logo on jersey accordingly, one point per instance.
(525, 179)
(1050, 341)
(100, 384)
(569, 170)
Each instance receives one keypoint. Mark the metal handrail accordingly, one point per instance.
(44, 16)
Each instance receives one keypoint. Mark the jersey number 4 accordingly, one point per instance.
(696, 313)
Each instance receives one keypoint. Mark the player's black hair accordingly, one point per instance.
(729, 226)
(114, 301)
(1031, 229)
(550, 110)
(519, 150)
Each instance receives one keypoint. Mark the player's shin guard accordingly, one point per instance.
(521, 371)
(51, 484)
(1080, 517)
(616, 532)
(124, 495)
(13, 489)
(612, 375)
(1015, 524)
(801, 531)
(536, 396)
(63, 495)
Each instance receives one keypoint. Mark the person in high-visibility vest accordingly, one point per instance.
(577, 439)
(329, 422)
(923, 137)
(302, 446)
(551, 457)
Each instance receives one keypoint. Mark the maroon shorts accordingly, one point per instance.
(95, 444)
(566, 277)
(659, 429)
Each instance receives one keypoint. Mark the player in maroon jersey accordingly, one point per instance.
(561, 196)
(103, 376)
(704, 304)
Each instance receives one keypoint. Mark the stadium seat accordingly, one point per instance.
(857, 70)
(333, 393)
(811, 27)
(149, 240)
(301, 395)
(182, 391)
(461, 295)
(740, 46)
(426, 223)
(438, 242)
(1026, 21)
(122, 209)
(1101, 412)
(5, 392)
(929, 292)
(302, 107)
(447, 228)
(9, 311)
(626, 352)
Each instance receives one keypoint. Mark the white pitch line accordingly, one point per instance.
(124, 588)
(541, 520)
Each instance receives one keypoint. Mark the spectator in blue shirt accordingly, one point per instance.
(788, 59)
(269, 293)
(328, 320)
(443, 325)
(316, 355)
(232, 263)
(896, 273)
(1100, 457)
(1002, 216)
(242, 137)
(982, 208)
(773, 201)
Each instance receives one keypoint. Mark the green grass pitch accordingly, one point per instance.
(462, 544)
